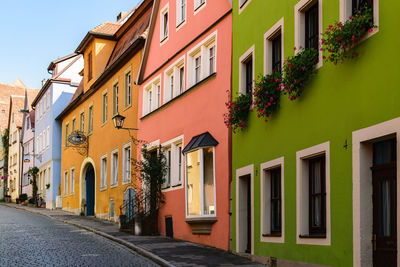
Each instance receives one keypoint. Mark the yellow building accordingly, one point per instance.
(96, 175)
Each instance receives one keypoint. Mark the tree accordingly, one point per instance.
(33, 173)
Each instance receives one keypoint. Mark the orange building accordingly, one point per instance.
(96, 174)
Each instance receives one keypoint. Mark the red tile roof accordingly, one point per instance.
(107, 27)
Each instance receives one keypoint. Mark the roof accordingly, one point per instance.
(54, 62)
(17, 103)
(202, 140)
(106, 30)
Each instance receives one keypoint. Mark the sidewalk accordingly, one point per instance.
(162, 250)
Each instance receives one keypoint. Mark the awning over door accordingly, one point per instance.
(202, 140)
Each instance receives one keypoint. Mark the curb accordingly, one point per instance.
(131, 246)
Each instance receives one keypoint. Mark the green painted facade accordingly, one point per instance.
(339, 100)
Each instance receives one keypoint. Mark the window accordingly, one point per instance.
(273, 48)
(308, 25)
(48, 99)
(72, 178)
(167, 178)
(103, 174)
(246, 71)
(65, 183)
(174, 80)
(316, 196)
(197, 69)
(104, 108)
(152, 95)
(126, 165)
(200, 182)
(90, 120)
(180, 12)
(115, 98)
(73, 125)
(359, 5)
(242, 3)
(164, 24)
(179, 163)
(198, 4)
(82, 122)
(313, 194)
(212, 59)
(128, 90)
(48, 137)
(350, 7)
(114, 168)
(90, 66)
(202, 60)
(312, 28)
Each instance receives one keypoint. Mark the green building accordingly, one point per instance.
(303, 182)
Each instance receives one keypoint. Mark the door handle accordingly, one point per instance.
(374, 241)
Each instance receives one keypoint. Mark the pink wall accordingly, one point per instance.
(199, 110)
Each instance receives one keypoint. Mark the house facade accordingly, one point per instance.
(2, 175)
(303, 181)
(184, 80)
(96, 175)
(55, 94)
(28, 144)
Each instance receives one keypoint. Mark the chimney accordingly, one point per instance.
(121, 15)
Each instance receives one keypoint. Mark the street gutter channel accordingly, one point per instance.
(139, 250)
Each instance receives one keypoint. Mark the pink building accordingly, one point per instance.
(184, 79)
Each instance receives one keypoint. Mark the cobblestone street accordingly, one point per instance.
(33, 240)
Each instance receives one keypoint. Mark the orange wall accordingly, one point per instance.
(199, 110)
(104, 139)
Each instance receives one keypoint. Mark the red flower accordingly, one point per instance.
(370, 30)
(355, 54)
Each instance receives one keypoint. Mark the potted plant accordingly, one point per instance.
(340, 40)
(238, 111)
(267, 93)
(297, 71)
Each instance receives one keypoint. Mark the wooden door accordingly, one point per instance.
(384, 239)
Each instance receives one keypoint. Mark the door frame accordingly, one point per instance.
(82, 182)
(362, 188)
(248, 170)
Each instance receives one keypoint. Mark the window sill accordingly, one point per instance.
(314, 236)
(179, 96)
(198, 7)
(126, 182)
(103, 188)
(201, 225)
(114, 185)
(127, 107)
(273, 235)
(164, 39)
(178, 26)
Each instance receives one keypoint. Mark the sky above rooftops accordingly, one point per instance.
(34, 33)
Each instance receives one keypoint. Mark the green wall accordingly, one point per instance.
(339, 100)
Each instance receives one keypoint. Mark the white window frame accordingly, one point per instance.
(173, 145)
(164, 36)
(90, 119)
(125, 179)
(346, 12)
(201, 186)
(300, 22)
(302, 201)
(199, 5)
(242, 69)
(104, 107)
(265, 183)
(128, 88)
(65, 182)
(202, 49)
(114, 169)
(103, 175)
(72, 181)
(180, 20)
(150, 92)
(115, 97)
(48, 137)
(268, 38)
(48, 99)
(242, 4)
(173, 70)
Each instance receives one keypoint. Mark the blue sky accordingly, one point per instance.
(35, 32)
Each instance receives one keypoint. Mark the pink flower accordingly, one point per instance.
(294, 48)
(340, 25)
(353, 38)
(370, 30)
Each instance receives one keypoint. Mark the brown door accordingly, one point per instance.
(384, 239)
(248, 181)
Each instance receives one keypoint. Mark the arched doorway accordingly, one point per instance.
(90, 190)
